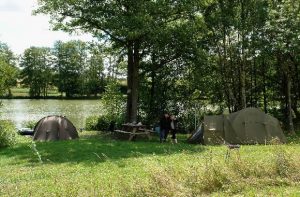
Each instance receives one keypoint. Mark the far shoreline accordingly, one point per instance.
(51, 98)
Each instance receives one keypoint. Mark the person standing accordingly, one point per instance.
(164, 127)
(173, 125)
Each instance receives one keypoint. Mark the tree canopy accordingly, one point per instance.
(185, 57)
(128, 24)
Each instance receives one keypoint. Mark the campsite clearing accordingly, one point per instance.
(96, 165)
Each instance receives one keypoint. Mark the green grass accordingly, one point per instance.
(24, 92)
(97, 165)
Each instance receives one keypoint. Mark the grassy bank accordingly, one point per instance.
(23, 93)
(96, 165)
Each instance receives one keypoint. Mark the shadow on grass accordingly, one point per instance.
(94, 148)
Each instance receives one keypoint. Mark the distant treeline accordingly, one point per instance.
(74, 69)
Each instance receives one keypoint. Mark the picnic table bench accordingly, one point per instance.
(133, 130)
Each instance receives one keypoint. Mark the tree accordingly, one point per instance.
(113, 101)
(70, 63)
(8, 77)
(36, 71)
(8, 70)
(128, 24)
(94, 76)
(7, 55)
(234, 33)
(282, 30)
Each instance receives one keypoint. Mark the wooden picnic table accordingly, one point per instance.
(134, 130)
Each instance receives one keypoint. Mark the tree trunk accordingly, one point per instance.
(152, 91)
(132, 80)
(289, 99)
(296, 84)
(265, 88)
(9, 93)
(242, 82)
(242, 63)
(256, 96)
(288, 81)
(129, 81)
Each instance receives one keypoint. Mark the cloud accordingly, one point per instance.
(10, 6)
(20, 30)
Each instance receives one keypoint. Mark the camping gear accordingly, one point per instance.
(197, 137)
(52, 128)
(25, 131)
(248, 126)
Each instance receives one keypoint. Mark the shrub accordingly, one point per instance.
(8, 135)
(102, 123)
(91, 123)
(98, 123)
(29, 124)
(113, 100)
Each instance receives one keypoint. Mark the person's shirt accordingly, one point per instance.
(165, 123)
(172, 125)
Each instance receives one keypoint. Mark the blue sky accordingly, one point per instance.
(20, 30)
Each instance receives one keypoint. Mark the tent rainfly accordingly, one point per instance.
(248, 126)
(53, 128)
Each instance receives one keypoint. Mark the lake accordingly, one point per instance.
(23, 110)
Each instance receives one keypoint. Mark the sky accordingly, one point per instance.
(19, 29)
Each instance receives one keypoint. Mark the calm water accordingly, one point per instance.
(22, 110)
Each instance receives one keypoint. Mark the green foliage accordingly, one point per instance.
(6, 54)
(94, 78)
(102, 123)
(113, 101)
(97, 123)
(29, 124)
(36, 70)
(8, 71)
(91, 123)
(8, 76)
(78, 68)
(7, 134)
(230, 54)
(129, 26)
(69, 64)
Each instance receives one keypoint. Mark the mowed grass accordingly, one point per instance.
(24, 92)
(98, 165)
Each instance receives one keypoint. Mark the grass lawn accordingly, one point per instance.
(24, 92)
(97, 165)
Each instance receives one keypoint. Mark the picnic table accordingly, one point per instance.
(134, 130)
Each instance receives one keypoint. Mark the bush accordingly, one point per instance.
(102, 123)
(91, 123)
(8, 135)
(29, 124)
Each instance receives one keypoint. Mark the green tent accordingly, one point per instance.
(248, 126)
(52, 128)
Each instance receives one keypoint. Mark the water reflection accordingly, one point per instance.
(22, 110)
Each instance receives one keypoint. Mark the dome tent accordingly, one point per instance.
(53, 128)
(247, 126)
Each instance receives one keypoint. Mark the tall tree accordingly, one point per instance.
(283, 30)
(127, 23)
(8, 70)
(70, 63)
(7, 55)
(8, 77)
(36, 70)
(94, 76)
